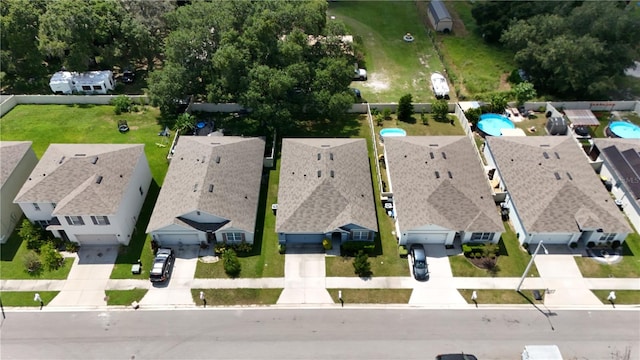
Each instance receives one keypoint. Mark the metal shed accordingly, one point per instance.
(439, 16)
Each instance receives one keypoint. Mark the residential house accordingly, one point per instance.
(90, 194)
(325, 192)
(17, 160)
(210, 193)
(553, 193)
(620, 160)
(439, 191)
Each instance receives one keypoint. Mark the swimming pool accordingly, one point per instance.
(492, 124)
(389, 132)
(625, 130)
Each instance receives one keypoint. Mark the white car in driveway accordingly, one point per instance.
(439, 85)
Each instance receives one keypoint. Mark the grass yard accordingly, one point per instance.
(12, 266)
(395, 67)
(372, 296)
(434, 128)
(629, 267)
(538, 122)
(623, 297)
(499, 296)
(230, 297)
(512, 260)
(25, 298)
(124, 297)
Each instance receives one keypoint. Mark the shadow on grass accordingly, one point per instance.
(256, 249)
(9, 249)
(626, 250)
(347, 126)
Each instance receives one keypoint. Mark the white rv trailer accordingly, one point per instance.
(91, 82)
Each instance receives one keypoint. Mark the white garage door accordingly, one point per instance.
(100, 239)
(177, 239)
(426, 238)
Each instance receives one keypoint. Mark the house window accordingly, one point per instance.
(86, 87)
(141, 191)
(43, 223)
(100, 220)
(481, 236)
(74, 220)
(233, 237)
(607, 237)
(36, 207)
(97, 87)
(360, 235)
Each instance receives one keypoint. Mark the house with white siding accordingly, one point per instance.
(439, 191)
(90, 194)
(17, 160)
(210, 193)
(553, 193)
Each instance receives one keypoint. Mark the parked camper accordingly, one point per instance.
(92, 82)
(541, 352)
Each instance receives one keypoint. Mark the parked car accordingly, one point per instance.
(162, 265)
(357, 93)
(456, 357)
(419, 262)
(128, 76)
(360, 74)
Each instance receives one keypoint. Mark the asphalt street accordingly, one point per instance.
(263, 333)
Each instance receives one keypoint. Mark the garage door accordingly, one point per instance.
(177, 239)
(304, 238)
(100, 239)
(426, 238)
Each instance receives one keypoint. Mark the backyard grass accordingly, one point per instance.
(124, 297)
(12, 266)
(499, 296)
(434, 128)
(25, 298)
(511, 263)
(372, 296)
(628, 267)
(623, 297)
(538, 122)
(230, 297)
(395, 67)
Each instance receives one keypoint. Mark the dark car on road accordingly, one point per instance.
(128, 76)
(162, 265)
(456, 357)
(419, 263)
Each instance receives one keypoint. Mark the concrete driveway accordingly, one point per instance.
(177, 290)
(560, 274)
(304, 278)
(439, 288)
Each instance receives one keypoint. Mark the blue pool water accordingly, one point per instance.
(625, 130)
(492, 124)
(392, 132)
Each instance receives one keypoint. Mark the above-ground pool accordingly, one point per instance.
(492, 124)
(389, 132)
(625, 130)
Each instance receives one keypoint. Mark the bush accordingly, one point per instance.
(403, 251)
(121, 104)
(51, 258)
(71, 246)
(386, 114)
(326, 244)
(573, 245)
(466, 249)
(32, 262)
(405, 108)
(361, 264)
(440, 110)
(591, 244)
(231, 263)
(351, 248)
(490, 250)
(473, 115)
(282, 248)
(424, 118)
(32, 234)
(242, 247)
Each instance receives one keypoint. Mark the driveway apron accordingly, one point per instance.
(440, 288)
(177, 290)
(304, 278)
(562, 278)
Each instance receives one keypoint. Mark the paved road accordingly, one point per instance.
(245, 333)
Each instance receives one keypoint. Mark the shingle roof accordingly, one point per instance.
(625, 164)
(11, 153)
(438, 10)
(581, 117)
(67, 175)
(439, 180)
(324, 184)
(229, 166)
(553, 186)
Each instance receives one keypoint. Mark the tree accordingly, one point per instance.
(121, 103)
(440, 110)
(51, 258)
(361, 264)
(32, 234)
(231, 263)
(184, 122)
(524, 92)
(405, 108)
(498, 102)
(32, 262)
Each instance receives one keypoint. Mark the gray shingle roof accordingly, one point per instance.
(438, 10)
(66, 175)
(318, 195)
(233, 165)
(553, 186)
(460, 199)
(11, 153)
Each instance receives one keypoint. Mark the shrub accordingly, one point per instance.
(71, 246)
(375, 111)
(386, 114)
(242, 247)
(51, 258)
(351, 248)
(403, 251)
(282, 248)
(573, 245)
(440, 109)
(490, 250)
(326, 244)
(361, 264)
(591, 244)
(466, 249)
(473, 115)
(32, 234)
(405, 108)
(424, 118)
(121, 104)
(32, 262)
(231, 263)
(379, 119)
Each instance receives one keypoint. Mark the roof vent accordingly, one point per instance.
(444, 156)
(333, 173)
(319, 156)
(217, 159)
(61, 160)
(203, 158)
(557, 155)
(450, 174)
(546, 156)
(434, 145)
(195, 187)
(319, 173)
(569, 176)
(437, 175)
(545, 145)
(99, 179)
(210, 187)
(324, 145)
(331, 156)
(431, 155)
(556, 175)
(80, 154)
(94, 160)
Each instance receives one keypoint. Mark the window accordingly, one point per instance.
(234, 237)
(360, 235)
(100, 220)
(141, 191)
(43, 223)
(86, 87)
(36, 207)
(97, 87)
(481, 236)
(74, 220)
(607, 237)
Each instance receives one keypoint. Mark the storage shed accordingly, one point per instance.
(556, 126)
(439, 16)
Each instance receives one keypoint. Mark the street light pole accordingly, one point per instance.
(526, 271)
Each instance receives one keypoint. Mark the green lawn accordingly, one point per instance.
(499, 296)
(395, 67)
(372, 296)
(25, 298)
(12, 266)
(626, 297)
(124, 297)
(629, 267)
(417, 128)
(511, 263)
(226, 297)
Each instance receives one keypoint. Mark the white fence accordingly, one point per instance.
(14, 100)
